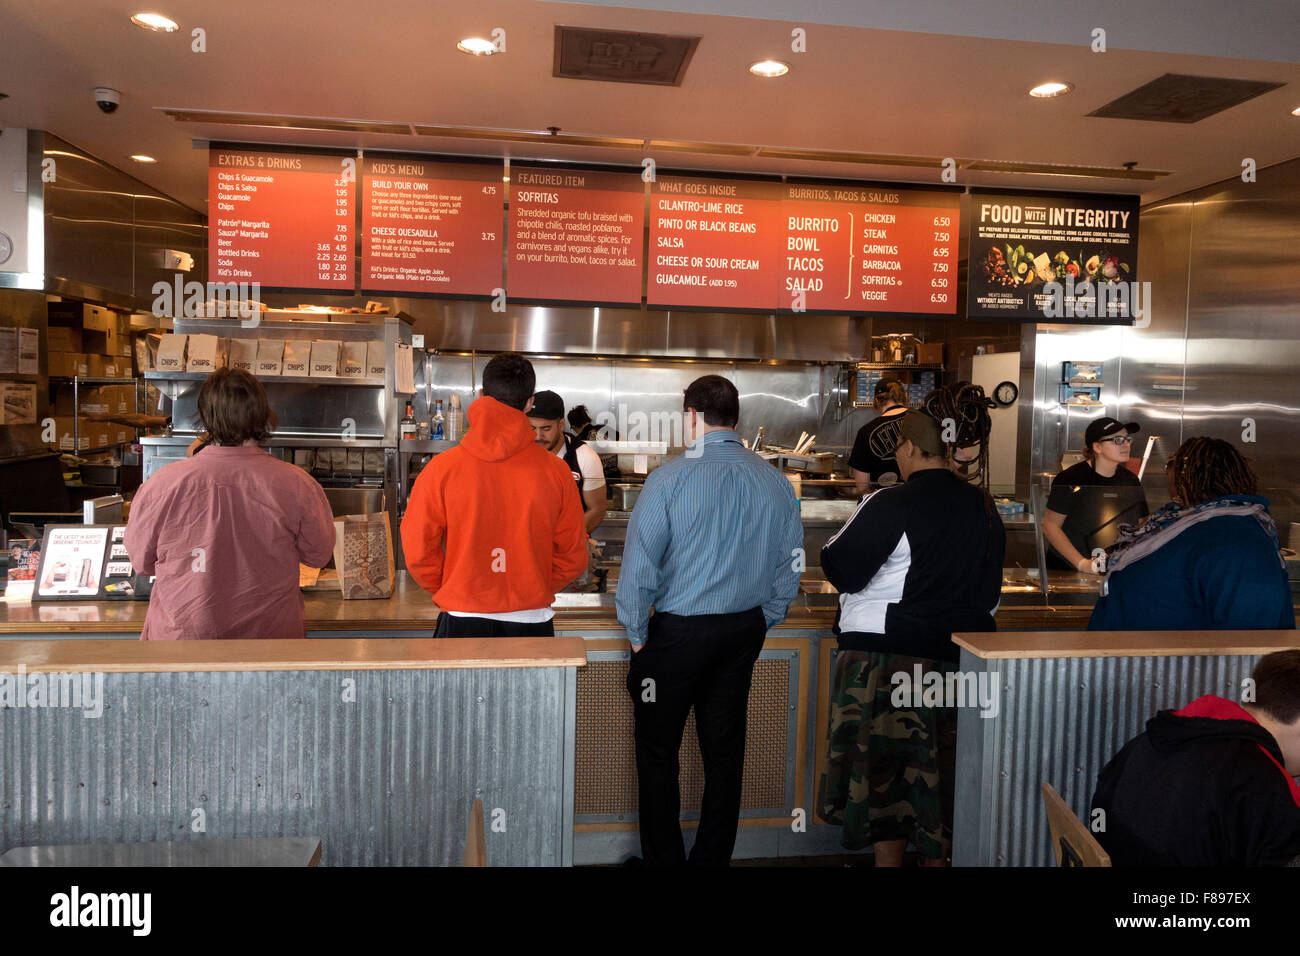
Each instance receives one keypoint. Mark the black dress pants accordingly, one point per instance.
(449, 625)
(706, 662)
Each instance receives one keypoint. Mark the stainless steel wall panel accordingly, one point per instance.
(1061, 721)
(386, 780)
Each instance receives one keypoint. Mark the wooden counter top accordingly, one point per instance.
(115, 656)
(1034, 644)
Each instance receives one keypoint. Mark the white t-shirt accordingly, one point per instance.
(593, 472)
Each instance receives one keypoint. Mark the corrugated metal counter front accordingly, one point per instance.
(1067, 703)
(377, 746)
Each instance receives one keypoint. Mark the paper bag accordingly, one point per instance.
(363, 555)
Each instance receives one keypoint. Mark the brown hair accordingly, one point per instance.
(233, 408)
(890, 391)
(1205, 468)
(1277, 686)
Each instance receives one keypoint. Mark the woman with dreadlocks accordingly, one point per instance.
(917, 561)
(1208, 560)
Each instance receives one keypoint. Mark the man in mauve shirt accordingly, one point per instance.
(225, 530)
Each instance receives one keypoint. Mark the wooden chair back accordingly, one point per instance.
(1072, 842)
(475, 842)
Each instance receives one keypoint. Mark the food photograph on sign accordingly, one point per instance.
(1054, 257)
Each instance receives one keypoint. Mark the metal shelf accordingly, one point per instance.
(86, 380)
(875, 366)
(269, 379)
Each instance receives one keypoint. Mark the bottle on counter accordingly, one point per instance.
(453, 418)
(407, 425)
(437, 426)
(423, 430)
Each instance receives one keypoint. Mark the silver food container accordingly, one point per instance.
(625, 496)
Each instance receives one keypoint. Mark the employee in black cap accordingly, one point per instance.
(1090, 500)
(872, 459)
(547, 418)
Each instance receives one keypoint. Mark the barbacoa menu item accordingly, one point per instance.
(575, 235)
(1047, 258)
(281, 219)
(431, 227)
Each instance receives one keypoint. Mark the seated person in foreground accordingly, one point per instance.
(1211, 784)
(1208, 560)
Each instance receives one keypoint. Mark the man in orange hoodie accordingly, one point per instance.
(510, 515)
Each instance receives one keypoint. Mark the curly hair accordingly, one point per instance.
(1205, 468)
(965, 407)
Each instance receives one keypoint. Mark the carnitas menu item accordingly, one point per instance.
(869, 248)
(281, 219)
(1054, 258)
(575, 235)
(431, 227)
(714, 243)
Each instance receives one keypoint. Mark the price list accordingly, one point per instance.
(575, 235)
(869, 249)
(431, 227)
(714, 243)
(281, 219)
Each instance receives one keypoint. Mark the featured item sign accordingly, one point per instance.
(281, 219)
(575, 235)
(431, 227)
(1068, 258)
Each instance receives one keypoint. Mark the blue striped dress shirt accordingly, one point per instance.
(715, 531)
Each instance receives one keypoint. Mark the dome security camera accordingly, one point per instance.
(107, 99)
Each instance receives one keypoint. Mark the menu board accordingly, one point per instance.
(281, 219)
(715, 243)
(869, 248)
(1053, 257)
(431, 227)
(575, 235)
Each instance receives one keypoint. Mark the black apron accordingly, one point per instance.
(571, 446)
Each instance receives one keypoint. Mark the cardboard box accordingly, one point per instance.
(62, 339)
(116, 343)
(270, 356)
(17, 403)
(118, 399)
(243, 354)
(63, 425)
(104, 320)
(376, 359)
(204, 354)
(82, 364)
(353, 363)
(297, 357)
(94, 342)
(930, 353)
(171, 353)
(325, 357)
(95, 366)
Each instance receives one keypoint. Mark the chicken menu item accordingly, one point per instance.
(714, 243)
(72, 561)
(282, 219)
(431, 227)
(575, 235)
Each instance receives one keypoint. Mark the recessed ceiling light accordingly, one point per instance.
(156, 22)
(1048, 90)
(1296, 111)
(142, 158)
(476, 46)
(769, 68)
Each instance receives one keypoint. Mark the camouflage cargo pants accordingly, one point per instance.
(888, 773)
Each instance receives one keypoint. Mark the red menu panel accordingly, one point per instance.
(281, 219)
(431, 227)
(714, 243)
(575, 235)
(869, 249)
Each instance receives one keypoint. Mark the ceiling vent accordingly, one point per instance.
(656, 59)
(1179, 98)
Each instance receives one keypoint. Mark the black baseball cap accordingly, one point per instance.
(1101, 428)
(547, 405)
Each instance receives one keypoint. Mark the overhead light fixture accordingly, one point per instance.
(156, 22)
(769, 68)
(1046, 91)
(1296, 111)
(476, 46)
(142, 158)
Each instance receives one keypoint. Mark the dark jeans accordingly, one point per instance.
(704, 661)
(449, 625)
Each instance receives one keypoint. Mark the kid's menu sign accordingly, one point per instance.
(575, 235)
(431, 227)
(281, 219)
(1054, 258)
(802, 247)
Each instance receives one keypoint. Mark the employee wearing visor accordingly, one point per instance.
(1090, 500)
(547, 418)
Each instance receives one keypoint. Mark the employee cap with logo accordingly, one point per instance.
(547, 405)
(1101, 428)
(923, 431)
